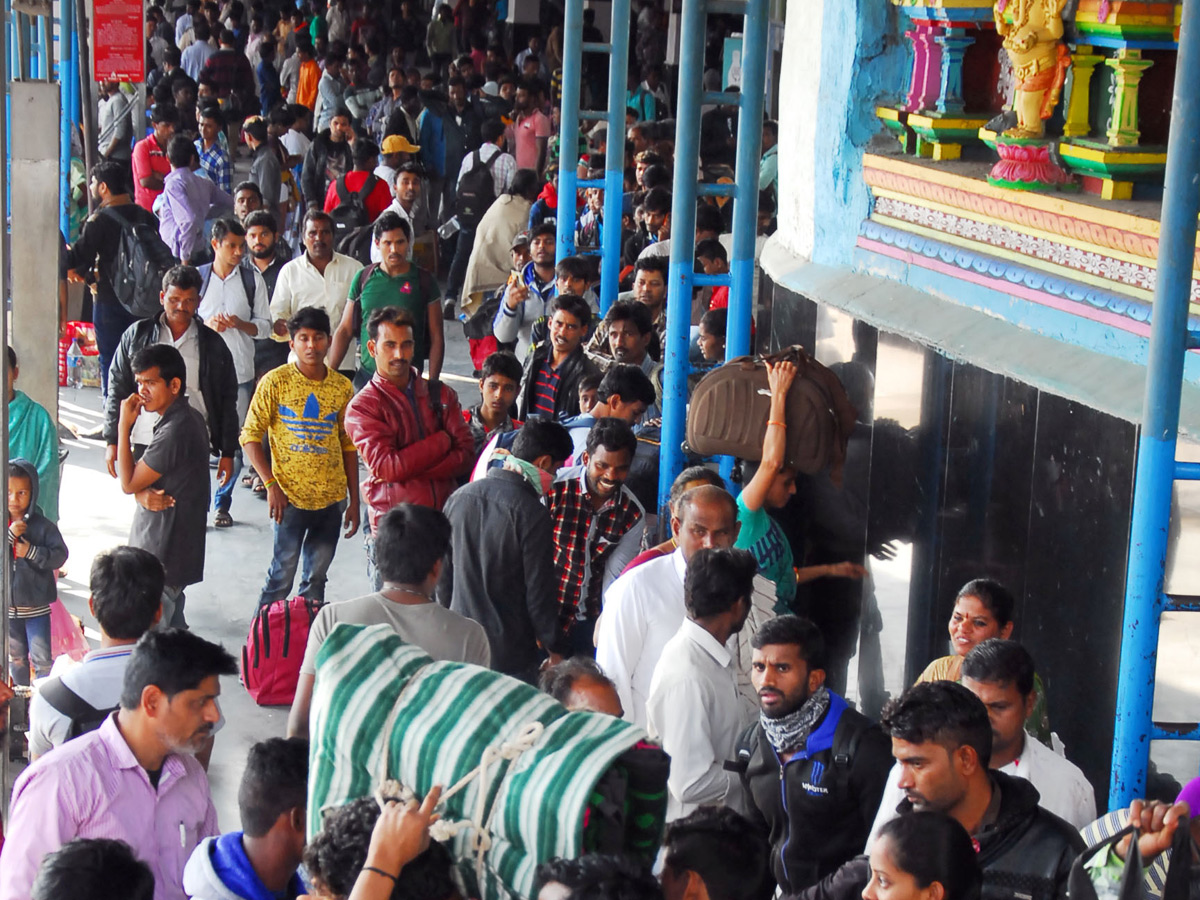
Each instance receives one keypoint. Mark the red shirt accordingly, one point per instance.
(377, 201)
(148, 159)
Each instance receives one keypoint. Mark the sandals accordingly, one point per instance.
(258, 488)
(222, 519)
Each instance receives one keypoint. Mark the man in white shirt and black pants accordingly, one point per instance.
(694, 710)
(235, 304)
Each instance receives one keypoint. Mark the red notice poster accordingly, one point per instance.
(118, 41)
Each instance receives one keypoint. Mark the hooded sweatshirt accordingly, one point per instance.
(34, 586)
(219, 869)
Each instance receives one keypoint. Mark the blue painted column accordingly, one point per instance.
(745, 202)
(954, 43)
(614, 156)
(1160, 420)
(683, 243)
(568, 139)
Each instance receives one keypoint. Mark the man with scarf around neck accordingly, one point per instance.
(500, 571)
(814, 768)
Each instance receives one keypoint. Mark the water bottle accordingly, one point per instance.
(74, 365)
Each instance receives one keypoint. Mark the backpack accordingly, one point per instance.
(730, 406)
(247, 281)
(845, 746)
(357, 244)
(275, 648)
(427, 287)
(142, 260)
(84, 717)
(350, 213)
(476, 190)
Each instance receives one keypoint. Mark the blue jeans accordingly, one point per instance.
(111, 319)
(305, 535)
(29, 637)
(223, 498)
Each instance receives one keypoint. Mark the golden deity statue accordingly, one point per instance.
(1039, 57)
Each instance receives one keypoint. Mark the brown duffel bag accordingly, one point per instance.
(731, 404)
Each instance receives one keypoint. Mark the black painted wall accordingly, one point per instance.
(999, 479)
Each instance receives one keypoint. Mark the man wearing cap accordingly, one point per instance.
(394, 151)
(408, 191)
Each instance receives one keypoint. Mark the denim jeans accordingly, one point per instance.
(223, 498)
(308, 537)
(458, 266)
(110, 319)
(29, 637)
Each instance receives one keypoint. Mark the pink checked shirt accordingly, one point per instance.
(93, 787)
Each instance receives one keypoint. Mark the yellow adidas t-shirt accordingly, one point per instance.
(303, 421)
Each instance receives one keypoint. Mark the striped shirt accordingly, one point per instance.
(545, 387)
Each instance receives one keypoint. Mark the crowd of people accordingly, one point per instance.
(296, 321)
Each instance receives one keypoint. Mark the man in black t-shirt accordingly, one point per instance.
(90, 259)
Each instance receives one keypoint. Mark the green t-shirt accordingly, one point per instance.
(762, 536)
(413, 291)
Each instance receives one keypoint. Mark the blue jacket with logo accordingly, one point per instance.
(818, 811)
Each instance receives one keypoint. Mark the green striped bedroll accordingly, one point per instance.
(382, 709)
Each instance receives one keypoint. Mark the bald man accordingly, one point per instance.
(644, 607)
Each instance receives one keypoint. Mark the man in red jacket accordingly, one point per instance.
(410, 433)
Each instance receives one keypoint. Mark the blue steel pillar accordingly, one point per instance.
(745, 203)
(1160, 420)
(568, 141)
(614, 156)
(683, 243)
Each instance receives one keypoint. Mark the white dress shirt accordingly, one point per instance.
(300, 285)
(695, 713)
(1064, 789)
(228, 295)
(643, 610)
(188, 346)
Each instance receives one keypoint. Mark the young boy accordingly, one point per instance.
(589, 387)
(37, 550)
(261, 859)
(499, 379)
(714, 260)
(175, 466)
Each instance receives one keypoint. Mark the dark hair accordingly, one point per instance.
(993, 595)
(525, 184)
(589, 382)
(574, 267)
(172, 56)
(605, 876)
(631, 311)
(282, 114)
(943, 712)
(659, 264)
(316, 215)
(545, 228)
(409, 540)
(248, 186)
(173, 660)
(256, 128)
(112, 175)
(224, 227)
(260, 218)
(772, 126)
(490, 130)
(212, 110)
(309, 317)
(408, 168)
(797, 631)
(389, 315)
(932, 846)
(336, 855)
(166, 359)
(998, 661)
(502, 363)
(657, 178)
(16, 470)
(657, 199)
(692, 473)
(409, 92)
(712, 249)
(186, 278)
(573, 305)
(341, 113)
(708, 218)
(180, 150)
(540, 436)
(274, 782)
(649, 158)
(715, 321)
(716, 580)
(724, 849)
(164, 113)
(365, 150)
(613, 434)
(12, 357)
(93, 869)
(558, 681)
(126, 586)
(391, 221)
(628, 382)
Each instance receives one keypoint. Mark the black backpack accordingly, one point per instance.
(84, 717)
(476, 190)
(351, 212)
(142, 260)
(247, 276)
(357, 244)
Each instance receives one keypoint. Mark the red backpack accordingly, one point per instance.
(275, 648)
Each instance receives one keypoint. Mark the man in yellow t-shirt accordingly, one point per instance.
(300, 408)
